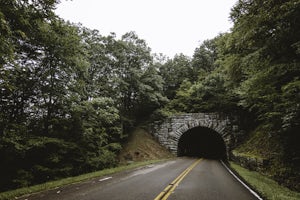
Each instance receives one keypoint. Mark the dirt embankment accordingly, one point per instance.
(142, 146)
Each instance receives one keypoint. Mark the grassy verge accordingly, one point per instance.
(66, 181)
(267, 187)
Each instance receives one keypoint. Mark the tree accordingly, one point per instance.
(97, 128)
(265, 43)
(100, 55)
(61, 72)
(204, 58)
(18, 23)
(174, 72)
(20, 32)
(40, 71)
(209, 94)
(150, 95)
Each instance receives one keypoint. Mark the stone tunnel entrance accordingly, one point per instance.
(202, 142)
(210, 135)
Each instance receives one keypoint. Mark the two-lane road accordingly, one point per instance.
(183, 178)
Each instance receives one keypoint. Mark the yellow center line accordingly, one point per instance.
(171, 187)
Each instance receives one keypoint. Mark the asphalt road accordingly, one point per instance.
(206, 179)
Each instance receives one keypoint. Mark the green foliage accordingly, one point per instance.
(150, 93)
(265, 46)
(206, 95)
(18, 23)
(67, 94)
(208, 89)
(204, 57)
(98, 126)
(123, 70)
(173, 72)
(268, 58)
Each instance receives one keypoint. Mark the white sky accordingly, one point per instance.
(168, 26)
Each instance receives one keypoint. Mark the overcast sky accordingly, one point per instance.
(168, 26)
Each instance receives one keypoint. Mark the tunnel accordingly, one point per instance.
(202, 142)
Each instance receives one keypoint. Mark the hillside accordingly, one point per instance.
(270, 155)
(142, 146)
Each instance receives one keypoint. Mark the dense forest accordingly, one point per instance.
(69, 95)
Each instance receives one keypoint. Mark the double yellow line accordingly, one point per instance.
(171, 187)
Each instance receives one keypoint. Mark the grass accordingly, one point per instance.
(267, 187)
(66, 181)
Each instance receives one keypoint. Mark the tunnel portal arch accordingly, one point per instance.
(170, 131)
(202, 142)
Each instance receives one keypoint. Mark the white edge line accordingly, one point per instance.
(104, 179)
(237, 178)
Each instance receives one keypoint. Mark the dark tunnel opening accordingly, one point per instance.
(202, 142)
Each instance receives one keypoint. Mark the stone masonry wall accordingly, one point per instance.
(169, 132)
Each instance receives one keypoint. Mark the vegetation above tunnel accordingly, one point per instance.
(69, 94)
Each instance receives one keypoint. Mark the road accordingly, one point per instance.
(183, 178)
